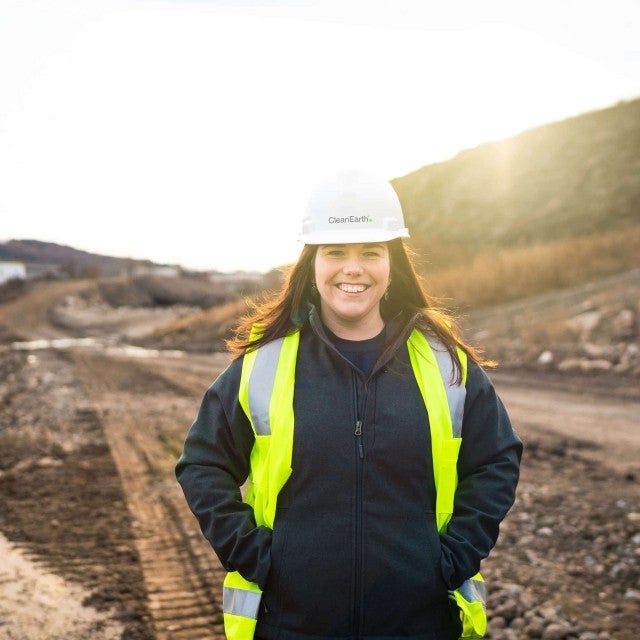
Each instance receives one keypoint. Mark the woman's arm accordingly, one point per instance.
(213, 466)
(488, 472)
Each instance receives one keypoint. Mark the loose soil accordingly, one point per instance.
(100, 543)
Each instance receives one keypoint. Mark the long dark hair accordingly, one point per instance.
(281, 314)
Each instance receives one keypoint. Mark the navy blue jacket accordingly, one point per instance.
(355, 552)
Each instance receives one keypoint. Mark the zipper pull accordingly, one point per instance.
(358, 434)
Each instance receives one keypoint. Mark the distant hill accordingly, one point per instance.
(73, 261)
(574, 178)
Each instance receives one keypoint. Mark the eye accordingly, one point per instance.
(373, 252)
(335, 252)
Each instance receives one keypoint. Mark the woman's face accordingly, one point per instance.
(351, 280)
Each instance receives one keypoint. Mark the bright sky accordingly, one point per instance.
(190, 131)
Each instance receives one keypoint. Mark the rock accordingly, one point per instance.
(557, 631)
(535, 628)
(597, 365)
(584, 364)
(629, 358)
(598, 351)
(510, 589)
(549, 613)
(623, 325)
(497, 622)
(571, 364)
(518, 623)
(619, 569)
(585, 323)
(507, 611)
(545, 358)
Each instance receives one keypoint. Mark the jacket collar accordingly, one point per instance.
(398, 331)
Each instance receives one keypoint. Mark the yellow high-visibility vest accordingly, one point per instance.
(266, 395)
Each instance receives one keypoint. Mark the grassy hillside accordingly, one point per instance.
(554, 206)
(577, 177)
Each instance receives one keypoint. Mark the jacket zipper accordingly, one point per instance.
(359, 455)
(359, 408)
(358, 434)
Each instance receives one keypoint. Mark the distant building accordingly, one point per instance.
(163, 271)
(12, 271)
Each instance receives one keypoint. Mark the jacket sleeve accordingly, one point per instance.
(488, 472)
(213, 466)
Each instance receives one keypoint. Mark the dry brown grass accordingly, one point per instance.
(214, 316)
(511, 274)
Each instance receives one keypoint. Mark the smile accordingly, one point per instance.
(352, 288)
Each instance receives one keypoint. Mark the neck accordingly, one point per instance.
(357, 330)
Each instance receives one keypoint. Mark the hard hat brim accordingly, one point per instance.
(352, 236)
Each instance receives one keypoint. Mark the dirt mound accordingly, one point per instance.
(155, 291)
(592, 328)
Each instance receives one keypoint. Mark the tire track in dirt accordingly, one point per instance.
(145, 423)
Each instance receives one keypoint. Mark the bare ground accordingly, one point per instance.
(100, 543)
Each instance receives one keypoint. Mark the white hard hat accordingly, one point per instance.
(353, 206)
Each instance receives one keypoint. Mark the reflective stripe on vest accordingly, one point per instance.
(266, 396)
(433, 369)
(263, 377)
(474, 590)
(241, 602)
(445, 407)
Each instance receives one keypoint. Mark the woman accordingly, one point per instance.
(335, 412)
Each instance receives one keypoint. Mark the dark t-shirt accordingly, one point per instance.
(361, 353)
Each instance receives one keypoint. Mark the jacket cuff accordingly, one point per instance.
(254, 561)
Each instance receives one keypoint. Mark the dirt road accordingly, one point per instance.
(605, 426)
(90, 435)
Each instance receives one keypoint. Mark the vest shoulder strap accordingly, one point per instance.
(266, 395)
(444, 400)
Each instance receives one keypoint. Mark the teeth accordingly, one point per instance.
(352, 288)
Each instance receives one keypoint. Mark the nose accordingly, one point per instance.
(352, 268)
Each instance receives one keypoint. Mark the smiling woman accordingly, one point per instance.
(351, 280)
(380, 459)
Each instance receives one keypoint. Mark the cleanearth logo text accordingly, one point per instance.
(350, 219)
